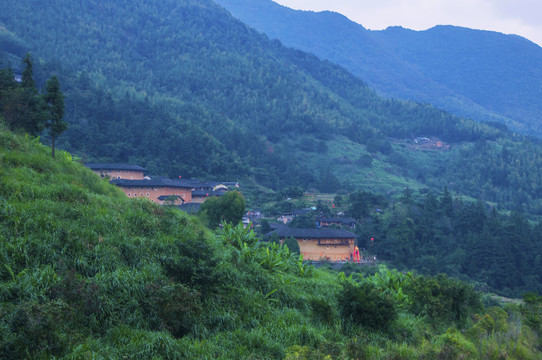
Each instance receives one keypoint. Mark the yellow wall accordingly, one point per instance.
(328, 248)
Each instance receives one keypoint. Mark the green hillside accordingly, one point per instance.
(199, 94)
(484, 75)
(89, 273)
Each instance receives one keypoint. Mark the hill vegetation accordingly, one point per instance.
(198, 94)
(89, 273)
(483, 75)
(439, 234)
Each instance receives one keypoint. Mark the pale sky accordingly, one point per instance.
(520, 17)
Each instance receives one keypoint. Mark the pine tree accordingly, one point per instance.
(55, 101)
(28, 74)
(21, 104)
(446, 203)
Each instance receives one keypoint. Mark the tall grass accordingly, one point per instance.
(86, 273)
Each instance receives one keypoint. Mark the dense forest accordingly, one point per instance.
(442, 234)
(199, 94)
(484, 75)
(89, 273)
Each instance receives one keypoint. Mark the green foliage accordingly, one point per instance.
(55, 101)
(392, 283)
(324, 311)
(292, 245)
(191, 262)
(228, 208)
(89, 273)
(304, 221)
(455, 346)
(363, 304)
(140, 102)
(297, 352)
(271, 256)
(292, 192)
(386, 59)
(442, 299)
(274, 238)
(265, 227)
(532, 311)
(22, 107)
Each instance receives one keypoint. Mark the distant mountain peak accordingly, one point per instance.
(481, 74)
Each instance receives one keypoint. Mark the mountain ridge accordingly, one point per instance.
(393, 74)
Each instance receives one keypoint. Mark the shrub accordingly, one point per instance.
(191, 262)
(455, 346)
(364, 305)
(323, 312)
(442, 299)
(292, 245)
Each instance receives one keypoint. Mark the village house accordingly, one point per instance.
(286, 218)
(161, 190)
(325, 222)
(131, 179)
(18, 76)
(320, 244)
(166, 191)
(199, 196)
(118, 171)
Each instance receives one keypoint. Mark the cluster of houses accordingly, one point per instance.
(329, 241)
(430, 144)
(134, 182)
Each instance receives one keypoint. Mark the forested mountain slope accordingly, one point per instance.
(183, 88)
(479, 74)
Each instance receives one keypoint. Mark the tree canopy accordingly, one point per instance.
(228, 208)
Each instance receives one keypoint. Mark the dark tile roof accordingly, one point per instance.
(298, 212)
(115, 167)
(202, 184)
(231, 183)
(207, 193)
(339, 220)
(161, 182)
(284, 231)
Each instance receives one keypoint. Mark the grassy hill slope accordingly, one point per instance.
(89, 273)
